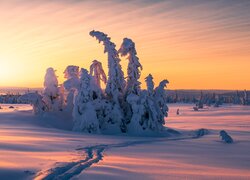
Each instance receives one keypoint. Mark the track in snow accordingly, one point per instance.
(94, 154)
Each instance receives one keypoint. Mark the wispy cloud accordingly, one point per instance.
(168, 34)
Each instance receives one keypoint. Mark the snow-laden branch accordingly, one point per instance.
(98, 73)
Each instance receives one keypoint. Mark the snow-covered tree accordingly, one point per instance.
(161, 99)
(98, 73)
(150, 119)
(36, 100)
(149, 109)
(218, 100)
(245, 98)
(137, 104)
(71, 73)
(134, 66)
(200, 103)
(133, 75)
(236, 98)
(71, 85)
(85, 117)
(116, 82)
(51, 95)
(153, 118)
(176, 98)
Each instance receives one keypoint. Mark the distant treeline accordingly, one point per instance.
(10, 99)
(15, 91)
(209, 97)
(11, 96)
(206, 97)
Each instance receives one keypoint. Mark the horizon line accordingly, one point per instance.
(180, 89)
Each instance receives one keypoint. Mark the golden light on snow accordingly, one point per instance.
(192, 45)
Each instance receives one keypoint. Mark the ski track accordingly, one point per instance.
(94, 154)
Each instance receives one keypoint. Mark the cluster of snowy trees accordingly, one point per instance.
(121, 106)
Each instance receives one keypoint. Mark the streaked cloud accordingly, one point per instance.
(195, 44)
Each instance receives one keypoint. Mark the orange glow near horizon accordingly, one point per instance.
(194, 46)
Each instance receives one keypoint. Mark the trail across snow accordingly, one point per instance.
(94, 154)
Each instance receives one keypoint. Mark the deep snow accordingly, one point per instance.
(32, 147)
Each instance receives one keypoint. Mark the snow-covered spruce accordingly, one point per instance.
(149, 109)
(116, 82)
(134, 66)
(52, 96)
(200, 105)
(108, 112)
(161, 99)
(85, 118)
(155, 111)
(245, 98)
(71, 85)
(133, 88)
(150, 84)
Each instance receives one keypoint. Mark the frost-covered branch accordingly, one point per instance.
(98, 73)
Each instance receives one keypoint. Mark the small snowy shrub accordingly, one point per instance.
(201, 132)
(225, 137)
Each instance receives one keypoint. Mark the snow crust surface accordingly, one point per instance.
(36, 148)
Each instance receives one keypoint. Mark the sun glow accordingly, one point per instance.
(5, 70)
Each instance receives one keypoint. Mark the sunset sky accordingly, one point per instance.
(195, 44)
